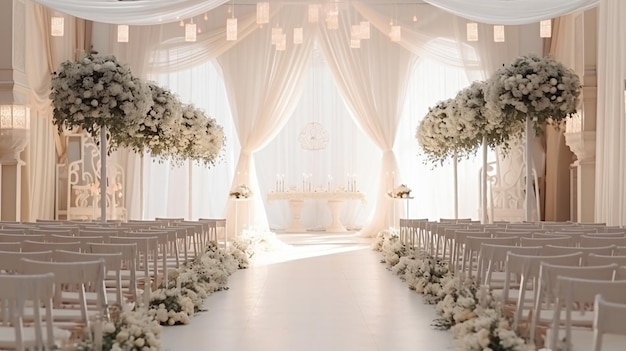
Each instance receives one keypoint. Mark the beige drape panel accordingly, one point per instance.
(263, 87)
(373, 82)
(45, 53)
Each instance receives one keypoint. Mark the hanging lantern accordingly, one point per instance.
(122, 33)
(355, 31)
(281, 44)
(365, 29)
(298, 36)
(355, 43)
(276, 35)
(545, 29)
(472, 31)
(332, 21)
(262, 12)
(498, 34)
(190, 32)
(231, 29)
(57, 26)
(396, 33)
(314, 13)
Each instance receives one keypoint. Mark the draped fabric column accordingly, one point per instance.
(45, 54)
(611, 124)
(263, 87)
(373, 81)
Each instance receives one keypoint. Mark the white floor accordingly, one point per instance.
(324, 292)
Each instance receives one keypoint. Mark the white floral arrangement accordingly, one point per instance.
(129, 331)
(170, 306)
(158, 131)
(438, 132)
(241, 192)
(400, 192)
(472, 313)
(538, 87)
(97, 91)
(200, 138)
(252, 244)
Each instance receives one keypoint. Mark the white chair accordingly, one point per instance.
(11, 246)
(129, 267)
(493, 257)
(610, 318)
(473, 245)
(553, 250)
(561, 241)
(591, 240)
(577, 296)
(19, 331)
(543, 311)
(10, 262)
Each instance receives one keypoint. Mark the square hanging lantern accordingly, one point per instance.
(545, 29)
(231, 29)
(190, 32)
(396, 33)
(298, 36)
(498, 34)
(314, 13)
(276, 35)
(365, 29)
(281, 44)
(122, 33)
(355, 43)
(472, 31)
(332, 21)
(57, 26)
(262, 12)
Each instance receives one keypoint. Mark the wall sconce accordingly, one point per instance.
(14, 117)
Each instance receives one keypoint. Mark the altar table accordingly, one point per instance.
(335, 201)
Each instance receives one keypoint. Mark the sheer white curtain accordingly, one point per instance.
(611, 124)
(263, 87)
(190, 190)
(373, 82)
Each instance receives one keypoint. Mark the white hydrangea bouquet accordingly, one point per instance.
(241, 192)
(170, 306)
(479, 121)
(400, 192)
(129, 331)
(538, 87)
(97, 91)
(158, 131)
(439, 132)
(200, 137)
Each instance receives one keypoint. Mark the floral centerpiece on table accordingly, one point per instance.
(400, 192)
(129, 331)
(241, 192)
(97, 92)
(538, 87)
(158, 131)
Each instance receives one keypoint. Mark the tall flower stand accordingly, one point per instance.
(529, 169)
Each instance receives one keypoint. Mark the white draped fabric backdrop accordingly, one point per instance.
(380, 126)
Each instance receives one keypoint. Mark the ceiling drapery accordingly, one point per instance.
(512, 11)
(146, 12)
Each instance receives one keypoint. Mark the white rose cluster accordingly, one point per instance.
(97, 91)
(538, 87)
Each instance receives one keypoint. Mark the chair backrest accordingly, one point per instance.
(20, 237)
(18, 292)
(11, 246)
(598, 260)
(129, 260)
(81, 276)
(30, 246)
(609, 318)
(590, 241)
(561, 241)
(11, 261)
(553, 250)
(579, 294)
(494, 256)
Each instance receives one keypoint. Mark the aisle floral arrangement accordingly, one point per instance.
(471, 312)
(97, 92)
(539, 87)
